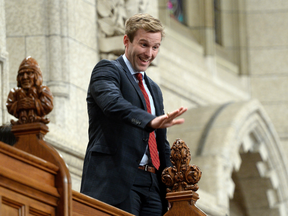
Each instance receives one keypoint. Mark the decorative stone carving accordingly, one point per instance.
(30, 101)
(112, 15)
(181, 176)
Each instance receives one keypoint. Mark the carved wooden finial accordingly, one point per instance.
(30, 101)
(181, 176)
(181, 180)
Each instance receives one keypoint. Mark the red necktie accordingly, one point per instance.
(152, 141)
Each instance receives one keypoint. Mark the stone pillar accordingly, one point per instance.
(57, 21)
(58, 54)
(199, 17)
(4, 76)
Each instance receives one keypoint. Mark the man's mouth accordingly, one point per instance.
(144, 60)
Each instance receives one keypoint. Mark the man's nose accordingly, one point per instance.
(148, 52)
(25, 75)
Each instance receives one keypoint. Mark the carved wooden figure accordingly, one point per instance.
(181, 180)
(29, 101)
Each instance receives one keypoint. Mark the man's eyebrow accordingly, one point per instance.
(144, 40)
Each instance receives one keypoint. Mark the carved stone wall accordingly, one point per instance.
(111, 22)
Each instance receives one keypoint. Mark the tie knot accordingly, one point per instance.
(139, 77)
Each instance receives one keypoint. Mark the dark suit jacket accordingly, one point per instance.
(118, 132)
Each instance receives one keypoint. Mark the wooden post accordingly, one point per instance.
(181, 180)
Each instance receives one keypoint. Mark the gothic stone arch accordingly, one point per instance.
(236, 147)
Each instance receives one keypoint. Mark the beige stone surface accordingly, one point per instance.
(265, 5)
(82, 22)
(55, 48)
(267, 29)
(37, 48)
(192, 132)
(54, 14)
(194, 12)
(270, 88)
(78, 123)
(111, 44)
(25, 17)
(2, 26)
(269, 61)
(82, 61)
(278, 113)
(16, 47)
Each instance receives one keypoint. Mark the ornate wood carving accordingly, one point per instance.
(29, 101)
(181, 176)
(181, 180)
(34, 179)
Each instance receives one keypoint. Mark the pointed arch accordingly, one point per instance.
(240, 149)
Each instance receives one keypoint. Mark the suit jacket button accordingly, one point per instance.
(145, 139)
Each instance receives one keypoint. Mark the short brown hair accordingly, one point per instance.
(142, 21)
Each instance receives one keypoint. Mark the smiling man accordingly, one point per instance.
(127, 148)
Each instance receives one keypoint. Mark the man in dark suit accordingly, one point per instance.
(123, 163)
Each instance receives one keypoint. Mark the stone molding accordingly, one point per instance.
(111, 22)
(245, 129)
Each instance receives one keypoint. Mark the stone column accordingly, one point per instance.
(57, 21)
(4, 76)
(199, 17)
(58, 54)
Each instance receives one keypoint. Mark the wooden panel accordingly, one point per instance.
(29, 166)
(84, 205)
(11, 207)
(13, 203)
(37, 212)
(28, 186)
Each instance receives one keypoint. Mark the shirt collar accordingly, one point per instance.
(127, 62)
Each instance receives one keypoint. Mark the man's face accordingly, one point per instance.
(26, 78)
(143, 50)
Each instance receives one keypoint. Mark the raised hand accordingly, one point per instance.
(168, 119)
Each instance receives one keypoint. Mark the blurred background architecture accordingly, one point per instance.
(226, 60)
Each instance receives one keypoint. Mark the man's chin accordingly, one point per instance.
(143, 68)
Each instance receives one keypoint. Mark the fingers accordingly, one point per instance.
(176, 113)
(168, 119)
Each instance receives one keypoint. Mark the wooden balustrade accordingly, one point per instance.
(34, 179)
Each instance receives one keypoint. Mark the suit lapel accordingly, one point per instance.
(132, 81)
(153, 91)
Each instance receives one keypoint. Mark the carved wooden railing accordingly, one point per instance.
(34, 179)
(181, 180)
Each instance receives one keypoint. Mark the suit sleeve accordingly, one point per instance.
(105, 90)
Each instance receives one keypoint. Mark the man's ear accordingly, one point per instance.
(125, 40)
